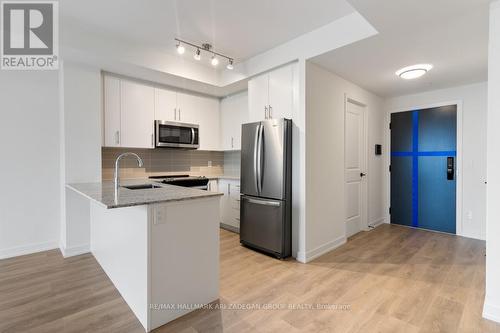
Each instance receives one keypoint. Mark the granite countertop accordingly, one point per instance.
(104, 193)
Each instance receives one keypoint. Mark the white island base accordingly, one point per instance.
(163, 258)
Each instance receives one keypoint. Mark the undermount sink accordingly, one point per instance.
(142, 187)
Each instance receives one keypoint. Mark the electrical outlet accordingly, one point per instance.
(209, 164)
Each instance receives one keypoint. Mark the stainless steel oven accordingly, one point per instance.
(177, 135)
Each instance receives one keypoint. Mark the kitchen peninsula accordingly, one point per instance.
(159, 245)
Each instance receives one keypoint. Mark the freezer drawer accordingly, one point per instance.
(262, 224)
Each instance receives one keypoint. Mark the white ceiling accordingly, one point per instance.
(450, 34)
(238, 28)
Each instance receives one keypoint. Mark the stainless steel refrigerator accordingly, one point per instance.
(266, 186)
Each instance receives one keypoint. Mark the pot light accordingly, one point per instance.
(413, 72)
(197, 55)
(214, 61)
(180, 49)
(230, 64)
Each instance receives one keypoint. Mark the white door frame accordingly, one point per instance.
(458, 167)
(364, 184)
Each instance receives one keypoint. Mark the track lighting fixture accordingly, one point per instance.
(205, 48)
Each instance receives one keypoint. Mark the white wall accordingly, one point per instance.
(81, 118)
(29, 170)
(474, 104)
(325, 107)
(492, 300)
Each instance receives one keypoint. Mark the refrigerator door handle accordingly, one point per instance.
(255, 154)
(264, 202)
(259, 159)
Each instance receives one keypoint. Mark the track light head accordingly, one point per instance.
(180, 48)
(197, 55)
(214, 61)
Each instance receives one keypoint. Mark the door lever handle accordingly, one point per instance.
(362, 174)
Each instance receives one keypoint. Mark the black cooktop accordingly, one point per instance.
(182, 180)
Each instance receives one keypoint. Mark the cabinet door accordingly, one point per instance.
(281, 92)
(165, 105)
(258, 97)
(234, 110)
(188, 107)
(112, 128)
(208, 116)
(137, 115)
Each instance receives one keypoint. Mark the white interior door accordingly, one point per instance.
(355, 168)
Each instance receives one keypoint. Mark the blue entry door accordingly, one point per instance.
(423, 168)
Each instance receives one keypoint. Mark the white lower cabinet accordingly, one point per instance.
(230, 203)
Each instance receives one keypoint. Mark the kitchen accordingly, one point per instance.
(156, 140)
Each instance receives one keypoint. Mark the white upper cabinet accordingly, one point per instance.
(208, 118)
(281, 93)
(137, 115)
(130, 109)
(112, 112)
(165, 105)
(234, 113)
(271, 95)
(188, 108)
(258, 98)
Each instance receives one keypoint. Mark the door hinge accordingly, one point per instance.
(390, 168)
(390, 125)
(390, 210)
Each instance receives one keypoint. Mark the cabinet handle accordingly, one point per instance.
(232, 142)
(175, 113)
(270, 112)
(152, 140)
(179, 114)
(228, 189)
(117, 137)
(265, 112)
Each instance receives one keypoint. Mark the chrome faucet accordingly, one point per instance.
(117, 167)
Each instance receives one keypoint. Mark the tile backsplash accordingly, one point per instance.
(159, 162)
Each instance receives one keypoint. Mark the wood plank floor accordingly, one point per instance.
(391, 279)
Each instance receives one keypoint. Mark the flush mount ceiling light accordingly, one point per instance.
(205, 48)
(413, 72)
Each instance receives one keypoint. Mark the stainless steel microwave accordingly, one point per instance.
(177, 135)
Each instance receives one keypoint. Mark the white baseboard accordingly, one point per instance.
(377, 222)
(491, 311)
(308, 256)
(27, 249)
(74, 251)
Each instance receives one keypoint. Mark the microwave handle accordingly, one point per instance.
(192, 135)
